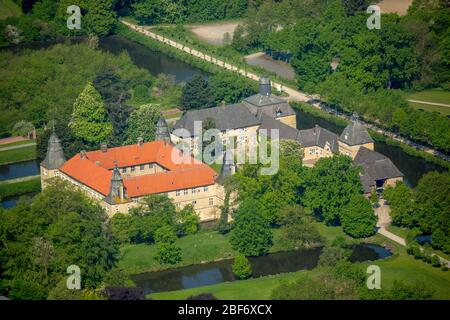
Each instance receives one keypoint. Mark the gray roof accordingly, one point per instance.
(232, 116)
(375, 167)
(228, 166)
(319, 136)
(55, 155)
(355, 134)
(162, 130)
(114, 188)
(260, 100)
(316, 136)
(270, 105)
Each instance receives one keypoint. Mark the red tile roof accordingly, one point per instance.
(95, 169)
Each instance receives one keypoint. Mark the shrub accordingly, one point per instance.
(435, 261)
(165, 234)
(203, 296)
(331, 256)
(241, 267)
(168, 253)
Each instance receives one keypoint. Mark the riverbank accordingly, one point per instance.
(14, 189)
(205, 246)
(17, 155)
(340, 122)
(399, 267)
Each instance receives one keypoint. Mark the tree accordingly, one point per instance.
(142, 124)
(241, 267)
(251, 234)
(187, 220)
(401, 201)
(333, 255)
(100, 18)
(330, 186)
(229, 87)
(168, 253)
(358, 219)
(196, 94)
(165, 234)
(89, 121)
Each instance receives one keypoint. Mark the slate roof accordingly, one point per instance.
(232, 116)
(162, 130)
(375, 167)
(316, 136)
(55, 155)
(355, 134)
(269, 105)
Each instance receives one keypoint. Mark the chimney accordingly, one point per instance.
(140, 141)
(104, 147)
(316, 128)
(83, 154)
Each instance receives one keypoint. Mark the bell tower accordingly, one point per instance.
(53, 159)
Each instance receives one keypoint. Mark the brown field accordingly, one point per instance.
(214, 33)
(397, 6)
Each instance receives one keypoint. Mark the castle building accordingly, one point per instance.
(238, 121)
(119, 178)
(53, 159)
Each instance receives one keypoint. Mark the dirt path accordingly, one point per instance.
(19, 146)
(397, 6)
(431, 103)
(214, 33)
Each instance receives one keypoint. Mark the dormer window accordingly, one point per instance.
(278, 112)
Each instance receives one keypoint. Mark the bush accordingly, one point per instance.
(203, 296)
(241, 267)
(331, 256)
(165, 234)
(435, 261)
(141, 94)
(168, 253)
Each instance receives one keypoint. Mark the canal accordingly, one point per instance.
(220, 271)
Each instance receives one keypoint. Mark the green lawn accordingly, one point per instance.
(431, 95)
(17, 155)
(199, 248)
(8, 8)
(18, 143)
(19, 188)
(399, 267)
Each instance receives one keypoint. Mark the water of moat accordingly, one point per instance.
(156, 62)
(217, 272)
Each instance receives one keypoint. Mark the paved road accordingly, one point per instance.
(19, 146)
(431, 103)
(384, 220)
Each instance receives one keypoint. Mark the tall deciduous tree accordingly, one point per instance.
(357, 217)
(142, 124)
(89, 120)
(251, 234)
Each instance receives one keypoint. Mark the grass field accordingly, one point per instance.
(398, 267)
(17, 155)
(9, 8)
(431, 95)
(199, 248)
(18, 143)
(19, 188)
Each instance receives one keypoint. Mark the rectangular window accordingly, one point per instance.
(194, 202)
(178, 192)
(205, 189)
(193, 190)
(133, 168)
(142, 167)
(211, 201)
(186, 191)
(124, 170)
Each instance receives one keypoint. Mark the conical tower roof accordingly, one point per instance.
(355, 133)
(228, 166)
(115, 187)
(55, 155)
(162, 130)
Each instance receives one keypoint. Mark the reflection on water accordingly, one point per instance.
(412, 167)
(155, 62)
(19, 170)
(217, 272)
